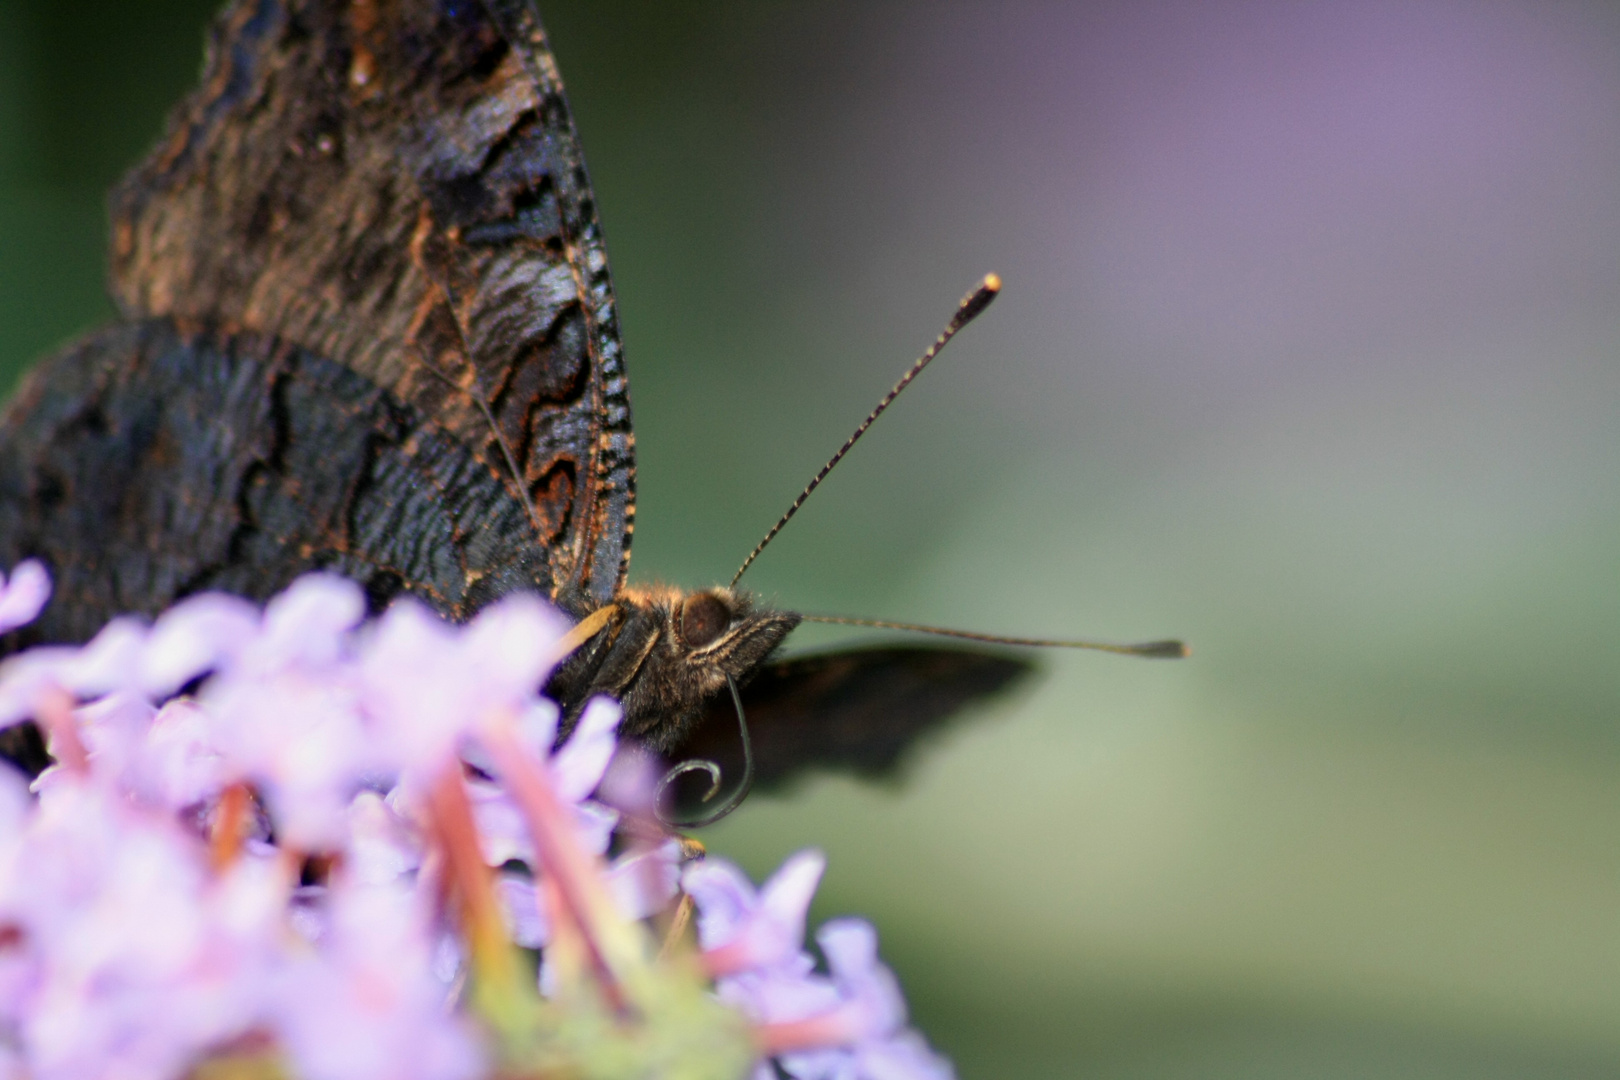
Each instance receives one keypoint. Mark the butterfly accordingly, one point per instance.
(367, 325)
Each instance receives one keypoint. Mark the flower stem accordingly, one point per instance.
(230, 825)
(56, 714)
(499, 987)
(611, 942)
(835, 1028)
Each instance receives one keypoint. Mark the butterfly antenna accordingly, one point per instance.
(704, 765)
(1154, 650)
(971, 306)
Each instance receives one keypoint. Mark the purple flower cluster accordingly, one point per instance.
(845, 1024)
(318, 866)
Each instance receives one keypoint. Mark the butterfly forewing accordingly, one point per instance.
(397, 188)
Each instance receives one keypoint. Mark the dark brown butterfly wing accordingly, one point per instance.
(366, 246)
(856, 711)
(152, 461)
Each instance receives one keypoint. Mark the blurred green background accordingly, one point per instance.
(1309, 353)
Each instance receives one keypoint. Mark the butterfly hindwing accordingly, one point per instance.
(150, 462)
(856, 711)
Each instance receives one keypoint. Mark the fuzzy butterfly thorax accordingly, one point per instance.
(666, 655)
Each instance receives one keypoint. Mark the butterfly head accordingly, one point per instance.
(666, 653)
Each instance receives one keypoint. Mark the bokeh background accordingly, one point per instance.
(1309, 352)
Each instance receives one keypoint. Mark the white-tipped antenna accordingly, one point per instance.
(971, 306)
(1153, 650)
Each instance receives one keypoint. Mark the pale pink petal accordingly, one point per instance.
(23, 596)
(110, 661)
(183, 764)
(850, 946)
(579, 765)
(503, 833)
(307, 623)
(195, 637)
(381, 845)
(513, 644)
(741, 930)
(414, 685)
(906, 1056)
(15, 802)
(725, 899)
(526, 918)
(646, 882)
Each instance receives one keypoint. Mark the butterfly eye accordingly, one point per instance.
(703, 619)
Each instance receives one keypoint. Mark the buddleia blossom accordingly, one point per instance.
(325, 860)
(848, 1023)
(127, 956)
